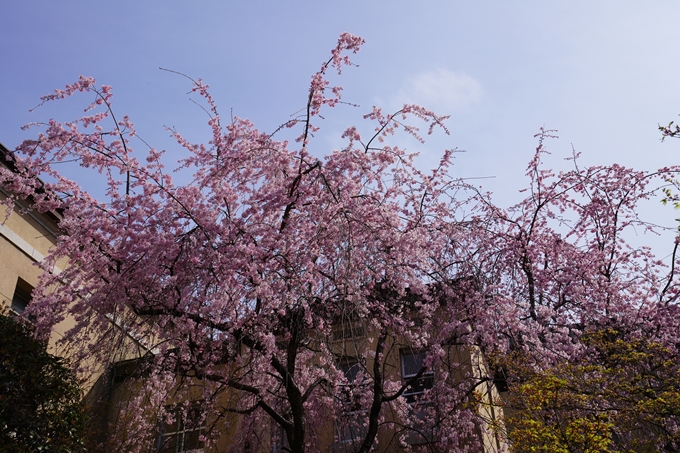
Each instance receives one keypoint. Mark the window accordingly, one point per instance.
(22, 296)
(422, 429)
(350, 368)
(279, 439)
(184, 434)
(411, 363)
(350, 428)
(500, 379)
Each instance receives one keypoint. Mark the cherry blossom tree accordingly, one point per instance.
(282, 284)
(237, 279)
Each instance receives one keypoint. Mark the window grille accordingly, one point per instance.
(184, 434)
(411, 363)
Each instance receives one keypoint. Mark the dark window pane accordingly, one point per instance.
(22, 296)
(191, 440)
(412, 363)
(172, 427)
(169, 444)
(350, 368)
(351, 427)
(183, 435)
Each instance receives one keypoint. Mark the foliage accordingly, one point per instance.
(561, 263)
(238, 287)
(624, 397)
(672, 131)
(40, 408)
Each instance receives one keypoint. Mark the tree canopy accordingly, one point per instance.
(40, 400)
(620, 399)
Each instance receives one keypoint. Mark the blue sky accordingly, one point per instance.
(603, 73)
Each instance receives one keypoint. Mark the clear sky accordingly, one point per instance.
(604, 73)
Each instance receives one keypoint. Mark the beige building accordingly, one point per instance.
(26, 237)
(352, 348)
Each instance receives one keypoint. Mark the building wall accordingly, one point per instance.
(122, 387)
(25, 240)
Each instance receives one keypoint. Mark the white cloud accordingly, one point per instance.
(441, 88)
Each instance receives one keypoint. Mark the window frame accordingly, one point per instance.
(414, 398)
(349, 428)
(21, 297)
(182, 429)
(427, 377)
